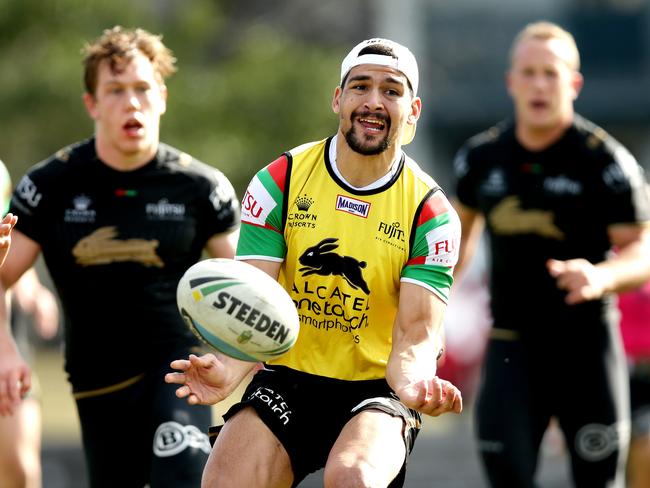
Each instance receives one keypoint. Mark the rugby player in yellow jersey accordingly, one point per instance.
(365, 243)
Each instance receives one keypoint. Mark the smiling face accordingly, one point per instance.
(126, 107)
(374, 105)
(543, 84)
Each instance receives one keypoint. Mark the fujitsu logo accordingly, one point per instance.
(352, 206)
(443, 247)
(391, 231)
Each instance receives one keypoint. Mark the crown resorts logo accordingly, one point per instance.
(81, 202)
(303, 203)
(302, 218)
(81, 213)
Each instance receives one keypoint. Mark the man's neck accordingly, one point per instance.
(121, 161)
(538, 139)
(360, 170)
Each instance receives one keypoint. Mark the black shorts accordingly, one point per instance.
(640, 398)
(307, 413)
(139, 433)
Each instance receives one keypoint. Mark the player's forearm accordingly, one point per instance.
(629, 269)
(414, 354)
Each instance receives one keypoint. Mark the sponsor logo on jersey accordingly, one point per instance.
(443, 247)
(302, 218)
(562, 185)
(390, 233)
(164, 210)
(28, 192)
(81, 211)
(495, 183)
(257, 203)
(303, 203)
(352, 206)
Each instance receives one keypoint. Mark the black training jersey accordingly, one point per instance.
(556, 203)
(116, 244)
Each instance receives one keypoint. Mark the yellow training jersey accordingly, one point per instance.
(344, 252)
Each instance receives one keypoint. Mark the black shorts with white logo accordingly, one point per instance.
(307, 413)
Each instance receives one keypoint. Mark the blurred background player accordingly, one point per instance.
(119, 217)
(555, 193)
(32, 304)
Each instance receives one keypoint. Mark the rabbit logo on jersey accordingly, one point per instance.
(257, 204)
(319, 260)
(341, 307)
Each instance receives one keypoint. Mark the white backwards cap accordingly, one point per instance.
(402, 60)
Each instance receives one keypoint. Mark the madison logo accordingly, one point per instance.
(319, 260)
(352, 206)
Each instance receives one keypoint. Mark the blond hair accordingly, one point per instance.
(544, 30)
(119, 46)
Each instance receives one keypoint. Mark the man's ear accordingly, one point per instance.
(416, 110)
(163, 95)
(577, 83)
(336, 100)
(91, 105)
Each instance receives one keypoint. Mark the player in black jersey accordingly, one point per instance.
(555, 192)
(119, 217)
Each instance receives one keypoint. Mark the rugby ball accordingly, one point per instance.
(237, 309)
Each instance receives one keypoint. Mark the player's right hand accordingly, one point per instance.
(15, 381)
(203, 379)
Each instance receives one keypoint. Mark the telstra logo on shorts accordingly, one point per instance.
(352, 206)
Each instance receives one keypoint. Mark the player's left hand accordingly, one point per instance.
(579, 278)
(432, 397)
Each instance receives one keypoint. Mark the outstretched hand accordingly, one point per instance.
(6, 226)
(432, 397)
(579, 278)
(203, 379)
